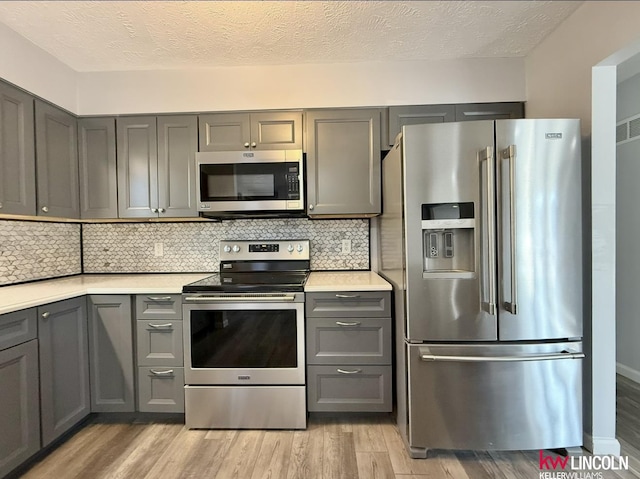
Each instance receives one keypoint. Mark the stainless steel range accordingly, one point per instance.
(244, 338)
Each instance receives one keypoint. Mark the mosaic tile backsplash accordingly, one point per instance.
(193, 247)
(38, 250)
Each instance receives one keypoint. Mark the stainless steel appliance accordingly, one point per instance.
(270, 181)
(244, 338)
(481, 238)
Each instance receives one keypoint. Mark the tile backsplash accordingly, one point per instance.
(193, 247)
(38, 250)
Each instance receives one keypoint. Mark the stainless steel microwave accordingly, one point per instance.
(250, 182)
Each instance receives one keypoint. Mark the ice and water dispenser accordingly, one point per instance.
(448, 245)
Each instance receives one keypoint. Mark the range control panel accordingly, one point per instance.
(264, 250)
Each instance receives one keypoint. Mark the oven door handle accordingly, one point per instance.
(236, 299)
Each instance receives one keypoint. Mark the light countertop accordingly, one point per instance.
(22, 296)
(320, 281)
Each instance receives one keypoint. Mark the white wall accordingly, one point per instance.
(31, 68)
(559, 84)
(302, 86)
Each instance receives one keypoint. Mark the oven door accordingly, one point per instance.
(250, 181)
(245, 341)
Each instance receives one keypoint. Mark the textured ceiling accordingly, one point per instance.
(135, 35)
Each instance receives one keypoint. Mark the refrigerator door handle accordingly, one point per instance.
(509, 153)
(425, 355)
(490, 306)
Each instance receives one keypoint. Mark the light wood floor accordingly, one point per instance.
(331, 447)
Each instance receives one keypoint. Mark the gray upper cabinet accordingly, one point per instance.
(156, 166)
(56, 162)
(343, 162)
(275, 130)
(17, 154)
(400, 116)
(489, 111)
(111, 349)
(97, 158)
(64, 366)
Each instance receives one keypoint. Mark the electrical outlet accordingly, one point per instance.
(346, 246)
(158, 249)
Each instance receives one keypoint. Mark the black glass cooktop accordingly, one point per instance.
(255, 281)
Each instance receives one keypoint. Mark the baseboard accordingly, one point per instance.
(628, 372)
(601, 446)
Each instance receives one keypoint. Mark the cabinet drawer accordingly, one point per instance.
(348, 341)
(349, 304)
(159, 343)
(349, 388)
(159, 306)
(18, 327)
(161, 389)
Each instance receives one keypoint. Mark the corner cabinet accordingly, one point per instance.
(17, 152)
(400, 116)
(489, 111)
(56, 162)
(269, 130)
(156, 166)
(97, 160)
(343, 162)
(64, 366)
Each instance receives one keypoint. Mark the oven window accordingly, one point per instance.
(244, 339)
(247, 182)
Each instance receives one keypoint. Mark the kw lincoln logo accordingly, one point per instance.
(579, 467)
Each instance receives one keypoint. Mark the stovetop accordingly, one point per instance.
(263, 281)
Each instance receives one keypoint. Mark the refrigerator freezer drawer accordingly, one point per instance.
(487, 397)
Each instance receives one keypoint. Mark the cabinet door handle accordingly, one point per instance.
(246, 144)
(46, 314)
(354, 323)
(158, 298)
(162, 210)
(310, 207)
(154, 210)
(168, 372)
(161, 326)
(347, 296)
(353, 371)
(45, 209)
(253, 144)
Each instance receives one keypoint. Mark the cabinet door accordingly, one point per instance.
(19, 414)
(400, 116)
(17, 153)
(97, 158)
(276, 130)
(489, 111)
(177, 146)
(56, 162)
(111, 349)
(224, 132)
(343, 162)
(137, 149)
(64, 366)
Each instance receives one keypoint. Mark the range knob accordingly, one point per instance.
(227, 248)
(290, 248)
(236, 248)
(299, 248)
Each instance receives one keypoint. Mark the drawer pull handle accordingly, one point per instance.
(161, 326)
(347, 296)
(354, 323)
(159, 298)
(353, 371)
(168, 372)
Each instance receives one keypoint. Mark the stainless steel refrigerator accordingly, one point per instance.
(481, 238)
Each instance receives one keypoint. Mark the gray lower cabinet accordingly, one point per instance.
(489, 111)
(160, 358)
(64, 366)
(156, 167)
(56, 162)
(111, 353)
(400, 116)
(19, 389)
(348, 348)
(343, 162)
(17, 152)
(97, 161)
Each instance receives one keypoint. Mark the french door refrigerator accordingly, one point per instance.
(481, 238)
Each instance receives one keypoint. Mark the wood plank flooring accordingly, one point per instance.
(364, 447)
